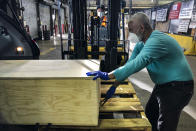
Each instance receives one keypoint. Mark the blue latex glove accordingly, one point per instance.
(109, 94)
(98, 74)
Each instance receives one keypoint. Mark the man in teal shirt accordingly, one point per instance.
(167, 67)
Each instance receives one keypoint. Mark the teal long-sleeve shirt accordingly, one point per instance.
(163, 58)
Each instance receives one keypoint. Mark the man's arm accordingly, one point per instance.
(138, 47)
(153, 50)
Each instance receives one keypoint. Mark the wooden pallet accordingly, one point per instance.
(124, 113)
(112, 81)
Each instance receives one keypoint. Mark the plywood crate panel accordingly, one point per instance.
(48, 96)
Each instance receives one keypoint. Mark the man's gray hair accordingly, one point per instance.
(142, 19)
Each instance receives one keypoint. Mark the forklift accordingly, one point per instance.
(111, 56)
(15, 42)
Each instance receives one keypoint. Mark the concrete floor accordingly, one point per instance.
(141, 81)
(50, 49)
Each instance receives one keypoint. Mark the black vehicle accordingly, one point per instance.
(15, 43)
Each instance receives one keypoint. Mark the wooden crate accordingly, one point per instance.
(43, 92)
(118, 114)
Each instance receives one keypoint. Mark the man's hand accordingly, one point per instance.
(98, 74)
(109, 94)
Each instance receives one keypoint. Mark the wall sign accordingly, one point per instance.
(175, 10)
(183, 25)
(154, 15)
(186, 10)
(173, 28)
(161, 14)
(193, 18)
(148, 13)
(192, 24)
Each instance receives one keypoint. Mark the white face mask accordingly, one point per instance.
(100, 14)
(139, 37)
(133, 38)
(137, 34)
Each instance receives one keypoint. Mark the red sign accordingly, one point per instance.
(175, 10)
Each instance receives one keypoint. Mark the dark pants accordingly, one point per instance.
(166, 103)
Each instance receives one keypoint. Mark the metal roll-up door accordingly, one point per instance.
(62, 16)
(63, 20)
(45, 15)
(30, 17)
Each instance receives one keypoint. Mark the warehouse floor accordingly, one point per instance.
(143, 85)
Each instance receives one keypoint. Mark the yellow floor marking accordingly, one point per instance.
(193, 57)
(47, 51)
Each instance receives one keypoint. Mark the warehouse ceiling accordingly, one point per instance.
(135, 3)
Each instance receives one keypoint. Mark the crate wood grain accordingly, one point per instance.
(46, 97)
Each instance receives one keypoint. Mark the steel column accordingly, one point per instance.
(113, 28)
(79, 28)
(38, 20)
(51, 21)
